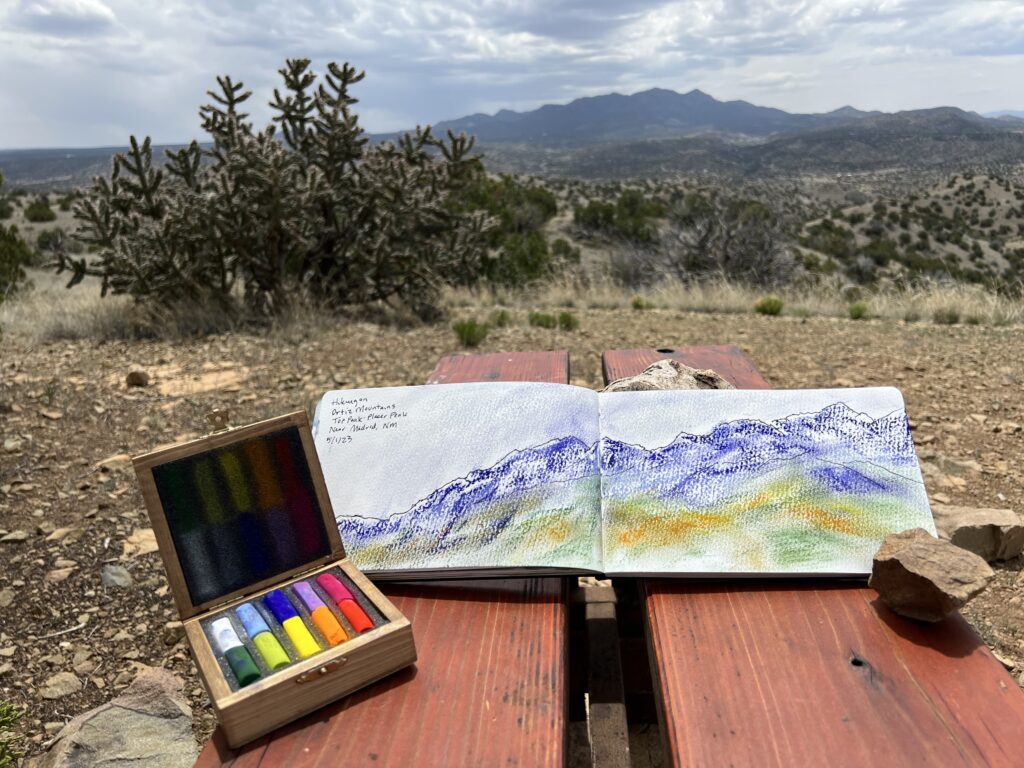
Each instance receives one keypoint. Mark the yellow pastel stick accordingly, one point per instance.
(303, 641)
(271, 650)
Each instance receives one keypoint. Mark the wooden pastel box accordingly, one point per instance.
(279, 621)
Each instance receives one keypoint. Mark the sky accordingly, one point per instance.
(440, 435)
(78, 73)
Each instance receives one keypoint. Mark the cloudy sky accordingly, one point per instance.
(91, 72)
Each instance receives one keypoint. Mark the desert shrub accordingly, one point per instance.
(911, 316)
(9, 717)
(542, 320)
(946, 316)
(15, 253)
(632, 216)
(567, 321)
(769, 305)
(318, 208)
(520, 252)
(470, 333)
(712, 235)
(501, 319)
(858, 310)
(39, 211)
(6, 209)
(639, 303)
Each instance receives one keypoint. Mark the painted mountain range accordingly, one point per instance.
(536, 507)
(810, 492)
(807, 493)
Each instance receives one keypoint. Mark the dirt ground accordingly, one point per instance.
(65, 409)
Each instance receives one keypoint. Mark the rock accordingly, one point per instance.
(142, 541)
(6, 597)
(52, 414)
(149, 724)
(119, 462)
(137, 378)
(59, 533)
(60, 685)
(14, 537)
(993, 534)
(173, 632)
(669, 374)
(6, 668)
(115, 576)
(925, 578)
(13, 444)
(57, 575)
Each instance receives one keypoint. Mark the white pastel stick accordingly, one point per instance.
(224, 634)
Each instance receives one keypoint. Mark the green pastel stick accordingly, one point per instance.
(238, 488)
(206, 483)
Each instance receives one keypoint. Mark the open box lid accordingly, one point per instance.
(239, 510)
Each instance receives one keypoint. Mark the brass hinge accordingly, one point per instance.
(320, 671)
(220, 420)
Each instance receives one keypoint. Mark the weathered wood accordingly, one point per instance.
(791, 672)
(490, 686)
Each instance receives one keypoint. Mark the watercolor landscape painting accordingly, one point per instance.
(807, 492)
(709, 482)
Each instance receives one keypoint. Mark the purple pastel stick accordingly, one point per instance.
(309, 597)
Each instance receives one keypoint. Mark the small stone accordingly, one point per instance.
(6, 597)
(52, 414)
(137, 378)
(8, 651)
(119, 462)
(13, 444)
(115, 576)
(14, 537)
(82, 663)
(993, 534)
(981, 418)
(941, 498)
(173, 632)
(59, 533)
(1008, 663)
(57, 575)
(60, 685)
(6, 668)
(925, 578)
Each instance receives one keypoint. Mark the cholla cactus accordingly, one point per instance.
(317, 209)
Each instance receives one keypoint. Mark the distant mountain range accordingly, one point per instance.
(659, 131)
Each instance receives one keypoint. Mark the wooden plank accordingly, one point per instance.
(490, 686)
(792, 672)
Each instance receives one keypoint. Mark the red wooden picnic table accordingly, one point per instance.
(814, 672)
(490, 686)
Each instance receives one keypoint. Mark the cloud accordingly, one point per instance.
(144, 66)
(63, 18)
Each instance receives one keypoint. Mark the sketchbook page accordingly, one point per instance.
(493, 475)
(756, 481)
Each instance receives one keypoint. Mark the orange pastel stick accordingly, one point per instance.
(329, 627)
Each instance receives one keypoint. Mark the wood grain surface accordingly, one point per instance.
(808, 673)
(490, 687)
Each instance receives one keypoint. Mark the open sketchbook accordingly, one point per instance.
(517, 478)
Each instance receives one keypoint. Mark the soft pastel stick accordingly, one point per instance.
(277, 603)
(264, 640)
(321, 615)
(346, 602)
(237, 655)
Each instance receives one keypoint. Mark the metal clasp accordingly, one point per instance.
(220, 419)
(330, 666)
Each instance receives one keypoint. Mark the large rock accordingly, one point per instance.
(993, 534)
(149, 724)
(669, 374)
(925, 578)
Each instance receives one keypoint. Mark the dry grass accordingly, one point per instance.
(49, 311)
(973, 303)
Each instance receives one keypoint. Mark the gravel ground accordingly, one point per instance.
(68, 643)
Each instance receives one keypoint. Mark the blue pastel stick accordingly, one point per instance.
(279, 605)
(251, 620)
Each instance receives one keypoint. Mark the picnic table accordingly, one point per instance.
(814, 672)
(491, 683)
(751, 672)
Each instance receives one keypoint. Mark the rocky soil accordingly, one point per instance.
(84, 602)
